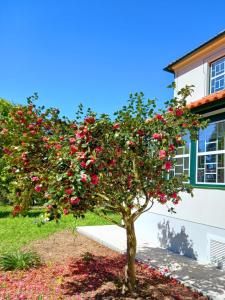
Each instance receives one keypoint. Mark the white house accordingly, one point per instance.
(197, 230)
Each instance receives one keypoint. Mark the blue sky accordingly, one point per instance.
(98, 51)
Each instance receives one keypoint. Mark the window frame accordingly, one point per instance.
(210, 75)
(216, 152)
(194, 158)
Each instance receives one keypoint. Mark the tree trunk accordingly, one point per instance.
(130, 273)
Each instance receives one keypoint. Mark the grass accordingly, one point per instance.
(16, 232)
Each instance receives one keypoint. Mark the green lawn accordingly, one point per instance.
(18, 231)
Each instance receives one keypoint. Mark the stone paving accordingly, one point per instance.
(204, 278)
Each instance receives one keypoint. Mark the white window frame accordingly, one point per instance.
(210, 153)
(189, 162)
(211, 78)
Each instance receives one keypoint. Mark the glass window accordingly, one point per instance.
(217, 75)
(182, 160)
(211, 154)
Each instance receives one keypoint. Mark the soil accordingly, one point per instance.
(78, 268)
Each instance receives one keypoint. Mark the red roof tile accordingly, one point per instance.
(207, 99)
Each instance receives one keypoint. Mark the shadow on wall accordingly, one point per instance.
(177, 242)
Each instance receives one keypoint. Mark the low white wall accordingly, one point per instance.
(184, 237)
(207, 207)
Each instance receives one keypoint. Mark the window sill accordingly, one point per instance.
(208, 186)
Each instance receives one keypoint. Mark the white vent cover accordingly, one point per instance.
(217, 252)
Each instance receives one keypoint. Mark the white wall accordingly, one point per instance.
(206, 207)
(184, 237)
(197, 74)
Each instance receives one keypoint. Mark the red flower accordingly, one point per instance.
(83, 178)
(159, 117)
(157, 136)
(45, 139)
(170, 109)
(72, 140)
(65, 211)
(179, 112)
(83, 164)
(112, 163)
(73, 149)
(140, 132)
(98, 149)
(39, 121)
(174, 195)
(130, 143)
(31, 126)
(162, 154)
(37, 188)
(168, 165)
(69, 173)
(69, 191)
(94, 179)
(89, 120)
(116, 126)
(171, 147)
(19, 112)
(162, 197)
(58, 146)
(6, 151)
(74, 201)
(34, 178)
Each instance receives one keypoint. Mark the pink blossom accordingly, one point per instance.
(179, 112)
(83, 177)
(72, 140)
(37, 188)
(98, 149)
(74, 201)
(157, 136)
(162, 154)
(116, 126)
(34, 178)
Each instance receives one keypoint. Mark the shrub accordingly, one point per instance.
(19, 261)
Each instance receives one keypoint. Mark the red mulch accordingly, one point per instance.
(89, 277)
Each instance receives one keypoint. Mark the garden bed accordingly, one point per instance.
(76, 267)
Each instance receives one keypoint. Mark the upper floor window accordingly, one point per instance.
(217, 75)
(211, 154)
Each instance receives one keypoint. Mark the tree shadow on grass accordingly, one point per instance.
(30, 214)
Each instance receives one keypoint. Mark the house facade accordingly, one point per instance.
(197, 230)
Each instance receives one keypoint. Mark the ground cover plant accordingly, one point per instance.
(19, 260)
(119, 165)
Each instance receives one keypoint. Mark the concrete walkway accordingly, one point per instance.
(204, 278)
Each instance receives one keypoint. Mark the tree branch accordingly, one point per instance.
(109, 219)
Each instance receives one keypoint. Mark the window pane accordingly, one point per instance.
(210, 147)
(221, 161)
(201, 146)
(180, 151)
(200, 175)
(179, 161)
(201, 161)
(210, 168)
(210, 177)
(220, 176)
(186, 162)
(221, 144)
(179, 169)
(210, 158)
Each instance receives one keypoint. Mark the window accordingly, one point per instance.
(211, 154)
(217, 75)
(182, 158)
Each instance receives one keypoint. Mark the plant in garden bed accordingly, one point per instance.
(118, 165)
(19, 261)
